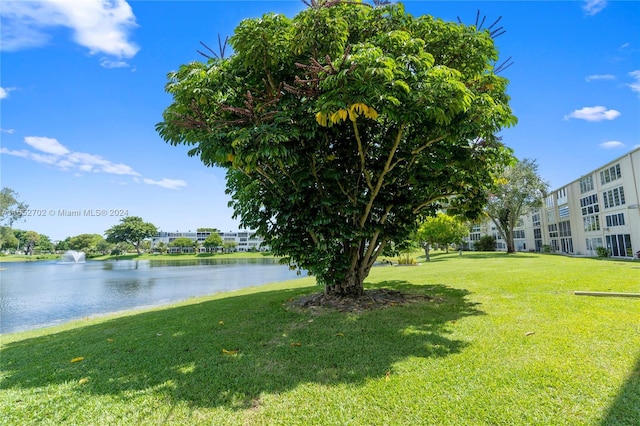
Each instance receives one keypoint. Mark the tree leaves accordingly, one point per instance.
(327, 119)
(340, 125)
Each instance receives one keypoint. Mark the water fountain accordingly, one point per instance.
(73, 256)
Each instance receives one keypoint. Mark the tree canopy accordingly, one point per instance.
(11, 208)
(216, 230)
(183, 243)
(87, 243)
(8, 238)
(341, 125)
(213, 241)
(519, 190)
(442, 230)
(132, 230)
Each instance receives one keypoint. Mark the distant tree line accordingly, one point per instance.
(516, 191)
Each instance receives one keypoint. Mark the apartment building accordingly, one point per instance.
(244, 240)
(599, 209)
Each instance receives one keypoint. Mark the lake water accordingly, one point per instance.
(40, 294)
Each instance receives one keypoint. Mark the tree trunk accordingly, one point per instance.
(353, 283)
(426, 254)
(347, 272)
(511, 247)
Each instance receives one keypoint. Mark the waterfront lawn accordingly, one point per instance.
(5, 258)
(500, 340)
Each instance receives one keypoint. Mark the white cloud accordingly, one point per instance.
(593, 7)
(166, 183)
(600, 77)
(596, 113)
(635, 86)
(50, 151)
(96, 163)
(22, 153)
(48, 145)
(612, 145)
(4, 91)
(9, 131)
(99, 25)
(106, 63)
(119, 169)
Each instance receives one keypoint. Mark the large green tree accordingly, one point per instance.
(213, 241)
(338, 126)
(11, 208)
(184, 243)
(87, 243)
(442, 230)
(519, 190)
(132, 230)
(32, 238)
(8, 239)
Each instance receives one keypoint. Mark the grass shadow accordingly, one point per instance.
(228, 352)
(625, 410)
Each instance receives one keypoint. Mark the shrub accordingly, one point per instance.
(485, 243)
(407, 260)
(602, 251)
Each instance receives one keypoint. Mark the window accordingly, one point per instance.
(537, 234)
(564, 229)
(589, 204)
(563, 211)
(553, 230)
(586, 184)
(613, 197)
(474, 236)
(594, 243)
(518, 233)
(591, 223)
(610, 174)
(549, 201)
(535, 218)
(561, 196)
(615, 219)
(619, 245)
(567, 245)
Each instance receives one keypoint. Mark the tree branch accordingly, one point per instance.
(431, 200)
(386, 169)
(426, 145)
(362, 157)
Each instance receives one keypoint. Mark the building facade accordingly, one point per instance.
(244, 240)
(599, 209)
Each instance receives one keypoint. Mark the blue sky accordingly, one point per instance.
(82, 87)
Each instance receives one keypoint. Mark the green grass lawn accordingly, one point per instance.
(501, 341)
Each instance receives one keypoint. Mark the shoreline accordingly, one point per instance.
(145, 256)
(94, 319)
